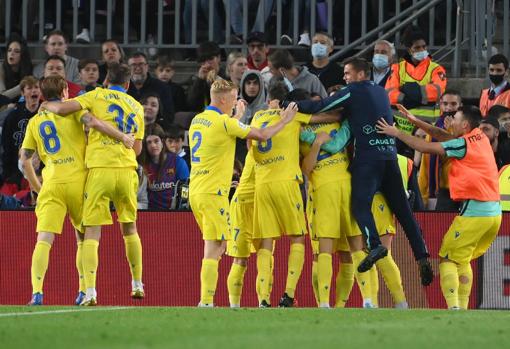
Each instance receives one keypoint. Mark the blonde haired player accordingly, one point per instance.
(213, 136)
(112, 174)
(60, 143)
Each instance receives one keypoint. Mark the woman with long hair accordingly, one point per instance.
(162, 168)
(16, 65)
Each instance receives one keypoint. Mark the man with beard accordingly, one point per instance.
(500, 146)
(143, 83)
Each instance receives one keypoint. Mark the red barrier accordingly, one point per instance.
(172, 248)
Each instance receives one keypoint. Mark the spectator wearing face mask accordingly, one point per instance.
(329, 73)
(281, 64)
(384, 53)
(416, 82)
(499, 91)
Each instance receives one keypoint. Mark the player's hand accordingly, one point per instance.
(384, 128)
(274, 104)
(43, 105)
(321, 138)
(128, 140)
(240, 109)
(289, 113)
(448, 122)
(407, 113)
(203, 71)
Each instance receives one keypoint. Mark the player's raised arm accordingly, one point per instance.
(263, 134)
(26, 156)
(336, 144)
(438, 133)
(61, 108)
(310, 160)
(326, 118)
(91, 121)
(414, 142)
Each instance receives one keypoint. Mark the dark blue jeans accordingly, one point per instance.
(369, 177)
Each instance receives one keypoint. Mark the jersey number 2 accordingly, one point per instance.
(50, 138)
(197, 136)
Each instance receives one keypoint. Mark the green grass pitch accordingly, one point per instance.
(162, 327)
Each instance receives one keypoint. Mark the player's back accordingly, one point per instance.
(60, 143)
(278, 157)
(120, 110)
(212, 153)
(329, 167)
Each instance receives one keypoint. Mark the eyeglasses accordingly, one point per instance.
(137, 65)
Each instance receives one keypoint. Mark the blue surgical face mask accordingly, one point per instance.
(421, 55)
(380, 61)
(288, 84)
(319, 50)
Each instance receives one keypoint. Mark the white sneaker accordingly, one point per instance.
(153, 51)
(83, 37)
(402, 305)
(324, 306)
(235, 305)
(137, 291)
(208, 305)
(88, 301)
(304, 39)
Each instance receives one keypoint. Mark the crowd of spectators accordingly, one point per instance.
(415, 80)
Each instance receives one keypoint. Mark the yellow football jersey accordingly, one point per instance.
(246, 188)
(120, 110)
(213, 144)
(60, 143)
(277, 159)
(329, 167)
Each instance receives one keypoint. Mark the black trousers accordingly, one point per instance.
(369, 177)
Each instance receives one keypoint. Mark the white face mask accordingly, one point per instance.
(421, 55)
(319, 50)
(380, 61)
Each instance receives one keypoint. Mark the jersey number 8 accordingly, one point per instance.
(48, 132)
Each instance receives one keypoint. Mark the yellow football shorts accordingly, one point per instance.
(469, 237)
(119, 185)
(278, 210)
(383, 217)
(212, 214)
(240, 244)
(55, 200)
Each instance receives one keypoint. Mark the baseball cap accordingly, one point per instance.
(491, 121)
(256, 36)
(207, 50)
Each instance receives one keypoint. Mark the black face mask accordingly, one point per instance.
(496, 79)
(449, 113)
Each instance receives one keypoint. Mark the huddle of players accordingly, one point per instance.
(268, 204)
(89, 146)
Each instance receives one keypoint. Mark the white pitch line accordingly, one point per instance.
(63, 311)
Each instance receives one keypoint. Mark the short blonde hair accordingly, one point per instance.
(222, 86)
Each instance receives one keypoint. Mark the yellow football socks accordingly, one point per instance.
(363, 279)
(208, 280)
(315, 282)
(40, 259)
(344, 283)
(392, 278)
(374, 286)
(264, 274)
(295, 267)
(90, 261)
(79, 266)
(449, 283)
(235, 283)
(324, 275)
(465, 284)
(133, 247)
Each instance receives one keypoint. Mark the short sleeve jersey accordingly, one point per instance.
(212, 143)
(120, 110)
(60, 143)
(277, 159)
(329, 167)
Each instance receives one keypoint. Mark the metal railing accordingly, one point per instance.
(457, 28)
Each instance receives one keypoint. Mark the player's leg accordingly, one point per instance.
(315, 280)
(365, 181)
(40, 258)
(235, 281)
(264, 271)
(90, 262)
(344, 279)
(79, 267)
(213, 250)
(363, 279)
(325, 270)
(133, 248)
(393, 190)
(391, 274)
